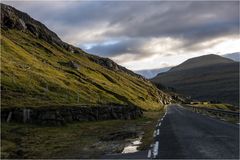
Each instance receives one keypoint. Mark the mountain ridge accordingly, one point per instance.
(12, 18)
(205, 60)
(233, 56)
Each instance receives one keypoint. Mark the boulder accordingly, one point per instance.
(73, 64)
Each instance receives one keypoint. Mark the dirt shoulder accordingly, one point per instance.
(77, 140)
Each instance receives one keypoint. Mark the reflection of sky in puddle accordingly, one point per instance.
(131, 148)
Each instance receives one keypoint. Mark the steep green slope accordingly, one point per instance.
(209, 77)
(38, 69)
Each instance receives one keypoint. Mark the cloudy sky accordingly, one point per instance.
(142, 35)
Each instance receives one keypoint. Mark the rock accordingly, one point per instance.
(20, 25)
(32, 29)
(7, 22)
(108, 63)
(70, 48)
(73, 64)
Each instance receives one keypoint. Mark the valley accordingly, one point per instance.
(60, 101)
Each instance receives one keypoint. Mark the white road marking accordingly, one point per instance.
(159, 124)
(149, 153)
(155, 149)
(158, 132)
(154, 133)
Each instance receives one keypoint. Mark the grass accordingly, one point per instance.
(232, 120)
(78, 140)
(223, 106)
(149, 128)
(32, 74)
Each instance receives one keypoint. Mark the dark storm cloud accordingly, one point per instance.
(189, 22)
(118, 48)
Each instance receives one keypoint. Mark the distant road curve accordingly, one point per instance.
(185, 134)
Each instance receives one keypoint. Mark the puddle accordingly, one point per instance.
(132, 147)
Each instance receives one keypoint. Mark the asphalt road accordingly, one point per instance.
(183, 134)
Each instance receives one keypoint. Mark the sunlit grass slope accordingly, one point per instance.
(36, 73)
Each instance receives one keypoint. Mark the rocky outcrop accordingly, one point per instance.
(108, 63)
(60, 115)
(11, 18)
(73, 64)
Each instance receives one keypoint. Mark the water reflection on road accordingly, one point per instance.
(132, 147)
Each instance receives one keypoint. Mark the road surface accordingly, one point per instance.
(188, 135)
(185, 134)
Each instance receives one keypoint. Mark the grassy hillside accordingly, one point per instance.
(219, 81)
(34, 73)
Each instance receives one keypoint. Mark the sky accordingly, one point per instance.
(142, 34)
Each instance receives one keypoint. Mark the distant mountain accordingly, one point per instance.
(150, 73)
(209, 77)
(233, 56)
(39, 69)
(201, 61)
